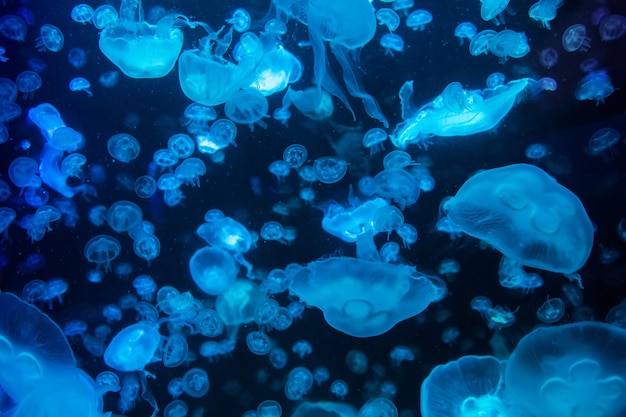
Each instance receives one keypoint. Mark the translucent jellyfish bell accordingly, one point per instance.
(50, 38)
(521, 211)
(139, 49)
(364, 297)
(132, 348)
(568, 370)
(80, 84)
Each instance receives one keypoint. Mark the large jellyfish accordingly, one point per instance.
(139, 49)
(525, 214)
(363, 296)
(469, 386)
(38, 371)
(456, 112)
(573, 370)
(347, 26)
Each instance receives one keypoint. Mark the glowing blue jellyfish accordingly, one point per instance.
(295, 155)
(465, 30)
(418, 19)
(492, 9)
(181, 145)
(221, 134)
(575, 39)
(347, 223)
(104, 16)
(509, 43)
(526, 215)
(140, 49)
(247, 106)
(388, 18)
(259, 342)
(123, 215)
(123, 147)
(602, 140)
(237, 305)
(362, 296)
(147, 246)
(544, 11)
(479, 44)
(374, 138)
(326, 23)
(109, 79)
(240, 20)
(269, 408)
(548, 57)
(101, 250)
(35, 361)
(551, 311)
(176, 408)
(27, 82)
(330, 169)
(174, 350)
(595, 86)
(392, 42)
(145, 186)
(132, 348)
(13, 27)
(536, 151)
(469, 386)
(273, 231)
(339, 388)
(567, 370)
(23, 172)
(80, 84)
(213, 270)
(460, 114)
(398, 185)
(82, 13)
(50, 38)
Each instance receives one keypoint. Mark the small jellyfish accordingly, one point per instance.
(302, 348)
(101, 250)
(392, 42)
(273, 231)
(196, 382)
(77, 57)
(50, 38)
(123, 147)
(82, 13)
(295, 155)
(80, 84)
(259, 343)
(575, 39)
(145, 186)
(280, 169)
(418, 19)
(330, 169)
(551, 311)
(602, 140)
(536, 152)
(388, 18)
(27, 82)
(612, 27)
(374, 138)
(339, 388)
(465, 30)
(109, 79)
(240, 20)
(548, 57)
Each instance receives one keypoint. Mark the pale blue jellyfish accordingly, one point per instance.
(240, 20)
(247, 106)
(493, 9)
(347, 223)
(138, 48)
(80, 84)
(363, 296)
(82, 13)
(123, 147)
(38, 371)
(50, 38)
(418, 19)
(123, 215)
(469, 386)
(575, 39)
(145, 186)
(388, 18)
(101, 250)
(392, 42)
(327, 23)
(551, 311)
(181, 145)
(295, 155)
(509, 43)
(544, 11)
(569, 370)
(132, 348)
(13, 27)
(27, 82)
(330, 169)
(77, 57)
(456, 112)
(524, 213)
(465, 30)
(374, 138)
(595, 86)
(612, 27)
(213, 270)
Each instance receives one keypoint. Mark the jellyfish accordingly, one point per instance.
(50, 38)
(132, 348)
(464, 113)
(326, 22)
(612, 27)
(465, 30)
(509, 43)
(247, 106)
(181, 145)
(388, 18)
(544, 11)
(525, 214)
(492, 9)
(568, 370)
(240, 20)
(140, 49)
(575, 38)
(123, 215)
(330, 169)
(362, 296)
(548, 57)
(77, 57)
(213, 270)
(469, 386)
(392, 42)
(82, 13)
(418, 19)
(27, 82)
(595, 86)
(38, 372)
(101, 250)
(80, 84)
(123, 147)
(13, 27)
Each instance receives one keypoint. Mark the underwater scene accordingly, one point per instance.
(313, 208)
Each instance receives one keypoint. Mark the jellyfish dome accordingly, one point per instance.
(576, 369)
(524, 213)
(38, 371)
(364, 297)
(469, 386)
(139, 49)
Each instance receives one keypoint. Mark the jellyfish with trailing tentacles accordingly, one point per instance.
(140, 49)
(327, 22)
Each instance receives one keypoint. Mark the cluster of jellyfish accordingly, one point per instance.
(228, 306)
